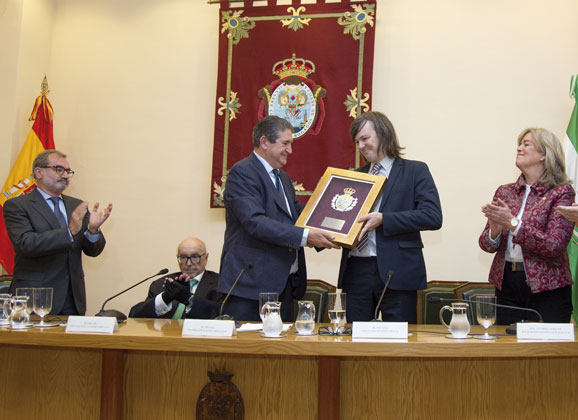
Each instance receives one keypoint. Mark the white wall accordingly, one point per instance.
(133, 87)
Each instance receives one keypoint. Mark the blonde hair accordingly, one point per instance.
(548, 144)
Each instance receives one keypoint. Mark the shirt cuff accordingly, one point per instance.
(304, 238)
(494, 242)
(161, 307)
(92, 237)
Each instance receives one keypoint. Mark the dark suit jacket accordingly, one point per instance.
(410, 203)
(205, 302)
(260, 231)
(45, 256)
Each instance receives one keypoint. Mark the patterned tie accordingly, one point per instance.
(365, 239)
(57, 212)
(277, 180)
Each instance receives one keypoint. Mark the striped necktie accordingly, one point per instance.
(365, 239)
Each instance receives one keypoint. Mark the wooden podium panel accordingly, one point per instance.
(147, 370)
(166, 385)
(39, 384)
(528, 388)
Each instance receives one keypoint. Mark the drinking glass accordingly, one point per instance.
(43, 303)
(4, 309)
(486, 314)
(27, 291)
(263, 299)
(336, 311)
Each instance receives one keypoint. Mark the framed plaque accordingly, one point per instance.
(340, 198)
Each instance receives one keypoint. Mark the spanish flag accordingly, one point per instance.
(20, 179)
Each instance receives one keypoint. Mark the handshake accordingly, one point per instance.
(178, 290)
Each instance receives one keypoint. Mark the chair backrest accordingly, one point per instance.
(317, 291)
(470, 291)
(5, 283)
(428, 312)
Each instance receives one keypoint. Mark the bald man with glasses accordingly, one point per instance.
(50, 231)
(189, 293)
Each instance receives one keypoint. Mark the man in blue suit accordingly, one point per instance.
(390, 241)
(260, 235)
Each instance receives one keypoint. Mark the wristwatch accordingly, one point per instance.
(514, 222)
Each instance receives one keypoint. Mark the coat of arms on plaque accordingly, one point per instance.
(345, 201)
(294, 96)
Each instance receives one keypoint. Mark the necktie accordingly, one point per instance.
(57, 212)
(277, 180)
(194, 283)
(182, 309)
(365, 239)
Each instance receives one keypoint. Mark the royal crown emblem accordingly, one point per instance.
(294, 96)
(345, 201)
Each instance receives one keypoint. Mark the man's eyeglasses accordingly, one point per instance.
(60, 170)
(194, 259)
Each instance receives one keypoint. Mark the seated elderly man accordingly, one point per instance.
(190, 293)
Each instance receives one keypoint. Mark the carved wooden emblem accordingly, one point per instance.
(220, 399)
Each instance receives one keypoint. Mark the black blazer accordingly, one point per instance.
(205, 303)
(45, 256)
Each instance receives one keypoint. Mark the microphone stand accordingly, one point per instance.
(120, 317)
(389, 276)
(229, 317)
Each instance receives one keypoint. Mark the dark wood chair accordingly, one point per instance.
(5, 283)
(428, 312)
(470, 291)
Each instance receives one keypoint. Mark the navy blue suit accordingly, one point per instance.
(410, 203)
(260, 231)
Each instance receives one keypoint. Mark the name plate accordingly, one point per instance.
(544, 331)
(91, 324)
(379, 330)
(208, 328)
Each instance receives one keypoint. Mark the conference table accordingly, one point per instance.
(148, 370)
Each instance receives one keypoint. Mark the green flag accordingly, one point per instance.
(572, 171)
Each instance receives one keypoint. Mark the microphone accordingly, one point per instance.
(120, 317)
(509, 330)
(229, 317)
(389, 276)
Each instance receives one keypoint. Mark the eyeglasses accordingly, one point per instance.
(60, 170)
(194, 259)
(324, 330)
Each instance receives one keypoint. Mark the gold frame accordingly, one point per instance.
(348, 240)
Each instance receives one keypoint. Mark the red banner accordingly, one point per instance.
(311, 64)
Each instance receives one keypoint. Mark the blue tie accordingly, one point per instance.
(58, 213)
(277, 180)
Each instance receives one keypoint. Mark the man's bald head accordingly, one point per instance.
(197, 251)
